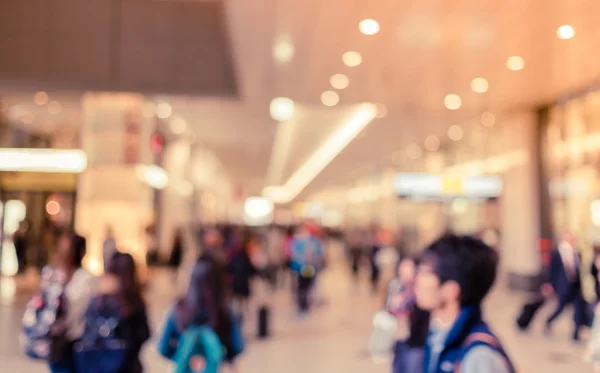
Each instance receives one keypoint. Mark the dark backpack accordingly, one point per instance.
(102, 349)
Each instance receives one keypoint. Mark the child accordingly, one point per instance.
(456, 274)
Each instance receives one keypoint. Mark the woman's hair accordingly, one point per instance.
(205, 302)
(123, 267)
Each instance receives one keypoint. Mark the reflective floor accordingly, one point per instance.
(331, 340)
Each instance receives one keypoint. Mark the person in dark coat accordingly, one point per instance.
(177, 250)
(564, 279)
(242, 270)
(595, 271)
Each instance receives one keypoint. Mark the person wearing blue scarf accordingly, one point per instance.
(455, 275)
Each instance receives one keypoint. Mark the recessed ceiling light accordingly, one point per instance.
(369, 26)
(453, 102)
(381, 111)
(515, 63)
(432, 143)
(413, 151)
(455, 133)
(352, 58)
(40, 98)
(479, 85)
(339, 81)
(330, 98)
(178, 126)
(281, 109)
(163, 110)
(54, 107)
(565, 32)
(283, 50)
(488, 119)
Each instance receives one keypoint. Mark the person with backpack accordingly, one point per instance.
(116, 322)
(54, 319)
(455, 275)
(201, 324)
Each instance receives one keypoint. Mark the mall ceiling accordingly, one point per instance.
(422, 52)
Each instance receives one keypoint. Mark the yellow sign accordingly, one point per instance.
(452, 185)
(38, 181)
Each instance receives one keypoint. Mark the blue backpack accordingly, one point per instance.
(43, 311)
(101, 349)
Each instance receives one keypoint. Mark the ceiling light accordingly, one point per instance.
(432, 143)
(163, 110)
(565, 32)
(283, 50)
(413, 151)
(381, 111)
(488, 119)
(281, 109)
(154, 176)
(339, 81)
(453, 102)
(324, 154)
(352, 58)
(40, 98)
(178, 126)
(515, 63)
(330, 98)
(54, 107)
(479, 85)
(369, 26)
(455, 133)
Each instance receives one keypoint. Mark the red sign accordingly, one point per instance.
(157, 143)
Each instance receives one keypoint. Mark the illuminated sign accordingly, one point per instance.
(430, 186)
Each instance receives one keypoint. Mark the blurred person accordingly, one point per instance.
(21, 242)
(374, 249)
(276, 255)
(455, 275)
(595, 271)
(564, 280)
(205, 304)
(120, 301)
(307, 259)
(355, 251)
(242, 270)
(176, 258)
(79, 288)
(109, 247)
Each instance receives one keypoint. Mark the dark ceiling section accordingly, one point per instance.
(178, 47)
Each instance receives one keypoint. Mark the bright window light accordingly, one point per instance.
(152, 175)
(43, 160)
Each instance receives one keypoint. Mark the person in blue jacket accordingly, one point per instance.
(455, 275)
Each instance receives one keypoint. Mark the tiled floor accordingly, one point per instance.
(331, 340)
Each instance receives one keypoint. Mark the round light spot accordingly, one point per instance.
(54, 107)
(413, 151)
(163, 110)
(281, 109)
(455, 133)
(339, 81)
(178, 126)
(479, 85)
(352, 58)
(488, 119)
(369, 26)
(40, 98)
(515, 63)
(565, 32)
(452, 102)
(330, 98)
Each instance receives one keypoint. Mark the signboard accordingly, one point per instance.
(431, 186)
(38, 181)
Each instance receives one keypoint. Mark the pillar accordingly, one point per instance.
(116, 138)
(520, 203)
